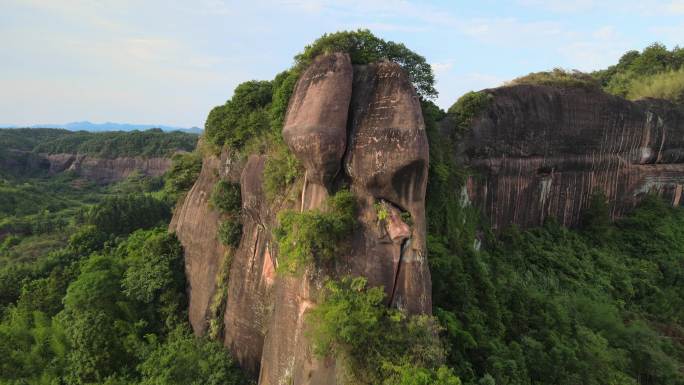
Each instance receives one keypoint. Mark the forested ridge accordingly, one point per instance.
(93, 289)
(149, 143)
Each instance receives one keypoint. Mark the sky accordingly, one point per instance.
(169, 62)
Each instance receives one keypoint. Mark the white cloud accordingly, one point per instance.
(562, 6)
(442, 68)
(676, 6)
(508, 31)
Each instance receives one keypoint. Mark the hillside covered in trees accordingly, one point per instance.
(93, 288)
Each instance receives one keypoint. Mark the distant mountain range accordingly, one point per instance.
(108, 126)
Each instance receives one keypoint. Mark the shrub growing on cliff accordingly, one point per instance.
(559, 77)
(280, 171)
(257, 106)
(229, 232)
(316, 235)
(666, 85)
(184, 170)
(467, 107)
(226, 197)
(379, 345)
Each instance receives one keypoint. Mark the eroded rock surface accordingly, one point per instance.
(196, 225)
(387, 160)
(354, 126)
(385, 164)
(540, 152)
(315, 127)
(103, 170)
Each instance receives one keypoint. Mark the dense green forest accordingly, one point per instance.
(149, 143)
(92, 287)
(600, 304)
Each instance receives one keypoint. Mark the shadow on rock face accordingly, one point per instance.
(315, 126)
(368, 121)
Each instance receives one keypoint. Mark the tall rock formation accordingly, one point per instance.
(356, 126)
(538, 152)
(196, 225)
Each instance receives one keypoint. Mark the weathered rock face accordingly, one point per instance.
(103, 170)
(99, 170)
(196, 225)
(540, 152)
(316, 123)
(356, 126)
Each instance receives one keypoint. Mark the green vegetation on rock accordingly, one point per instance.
(314, 236)
(225, 197)
(377, 344)
(185, 168)
(363, 47)
(258, 108)
(636, 70)
(244, 116)
(559, 77)
(467, 107)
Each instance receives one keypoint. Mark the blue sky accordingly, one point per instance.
(169, 62)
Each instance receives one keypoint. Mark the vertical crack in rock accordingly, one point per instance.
(387, 159)
(406, 242)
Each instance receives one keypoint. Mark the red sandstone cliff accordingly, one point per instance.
(359, 126)
(538, 152)
(104, 170)
(534, 152)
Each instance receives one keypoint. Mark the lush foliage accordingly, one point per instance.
(185, 168)
(314, 235)
(652, 72)
(597, 305)
(379, 345)
(225, 197)
(149, 143)
(363, 47)
(281, 169)
(187, 360)
(654, 59)
(123, 214)
(559, 77)
(91, 290)
(257, 108)
(230, 231)
(244, 116)
(664, 85)
(105, 309)
(467, 107)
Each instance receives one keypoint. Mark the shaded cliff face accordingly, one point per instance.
(540, 152)
(355, 126)
(196, 225)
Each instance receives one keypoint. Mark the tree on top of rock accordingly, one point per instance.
(363, 47)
